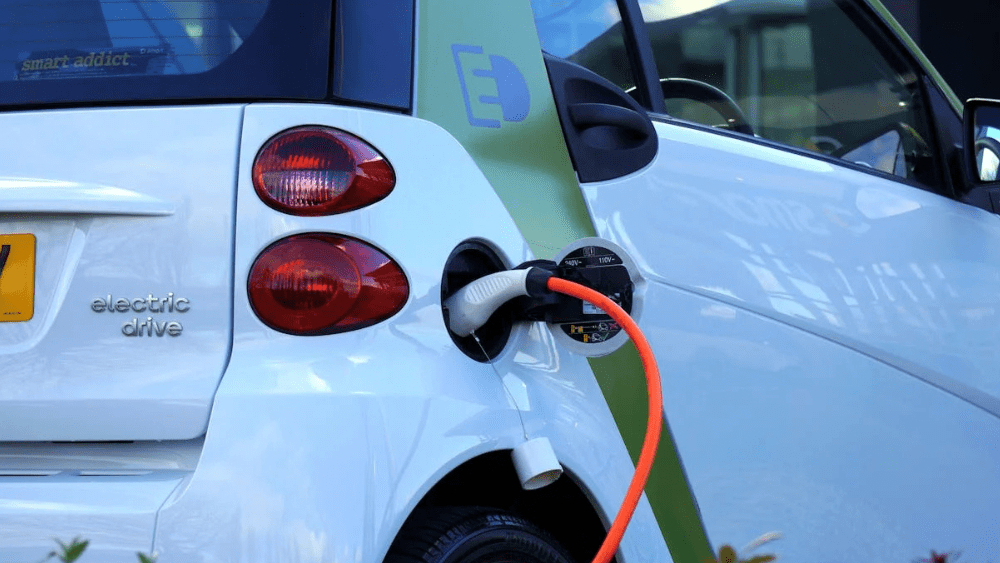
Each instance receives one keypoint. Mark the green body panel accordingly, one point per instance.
(912, 47)
(622, 381)
(527, 161)
(528, 165)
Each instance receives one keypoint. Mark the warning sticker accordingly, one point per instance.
(592, 332)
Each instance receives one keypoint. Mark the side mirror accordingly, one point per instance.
(982, 140)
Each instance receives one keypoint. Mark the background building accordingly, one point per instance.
(961, 38)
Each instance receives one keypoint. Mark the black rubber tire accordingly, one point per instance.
(472, 535)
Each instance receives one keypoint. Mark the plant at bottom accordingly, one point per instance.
(729, 555)
(936, 557)
(70, 552)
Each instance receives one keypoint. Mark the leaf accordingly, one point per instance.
(727, 554)
(761, 540)
(761, 559)
(143, 558)
(73, 551)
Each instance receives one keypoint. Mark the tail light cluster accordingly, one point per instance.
(322, 283)
(320, 171)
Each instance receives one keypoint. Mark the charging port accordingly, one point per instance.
(470, 261)
(600, 265)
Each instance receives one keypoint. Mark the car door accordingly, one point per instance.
(823, 308)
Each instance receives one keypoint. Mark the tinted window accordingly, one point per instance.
(806, 73)
(104, 50)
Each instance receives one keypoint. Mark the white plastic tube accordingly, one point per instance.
(536, 464)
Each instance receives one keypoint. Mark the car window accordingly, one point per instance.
(586, 32)
(799, 72)
(92, 50)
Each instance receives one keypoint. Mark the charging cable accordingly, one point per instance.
(471, 307)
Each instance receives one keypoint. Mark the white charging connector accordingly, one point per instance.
(470, 307)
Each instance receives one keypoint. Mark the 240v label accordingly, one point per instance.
(17, 277)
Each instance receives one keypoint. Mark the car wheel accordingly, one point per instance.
(473, 535)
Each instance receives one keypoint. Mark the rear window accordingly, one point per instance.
(66, 51)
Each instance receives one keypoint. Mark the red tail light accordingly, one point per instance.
(318, 283)
(320, 171)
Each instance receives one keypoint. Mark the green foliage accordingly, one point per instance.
(70, 552)
(728, 555)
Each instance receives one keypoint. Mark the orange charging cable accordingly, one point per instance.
(653, 426)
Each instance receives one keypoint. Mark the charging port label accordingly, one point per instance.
(604, 271)
(593, 332)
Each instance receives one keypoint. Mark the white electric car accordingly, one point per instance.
(227, 229)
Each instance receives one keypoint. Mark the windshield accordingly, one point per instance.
(64, 51)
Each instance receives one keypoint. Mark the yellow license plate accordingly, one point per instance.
(17, 277)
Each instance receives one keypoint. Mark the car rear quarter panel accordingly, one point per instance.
(319, 447)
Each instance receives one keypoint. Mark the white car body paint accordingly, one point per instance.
(107, 493)
(805, 313)
(164, 229)
(316, 448)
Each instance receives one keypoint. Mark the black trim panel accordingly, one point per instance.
(640, 52)
(373, 52)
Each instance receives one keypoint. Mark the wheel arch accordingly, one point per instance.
(564, 509)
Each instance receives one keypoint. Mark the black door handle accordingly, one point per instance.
(589, 114)
(608, 134)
